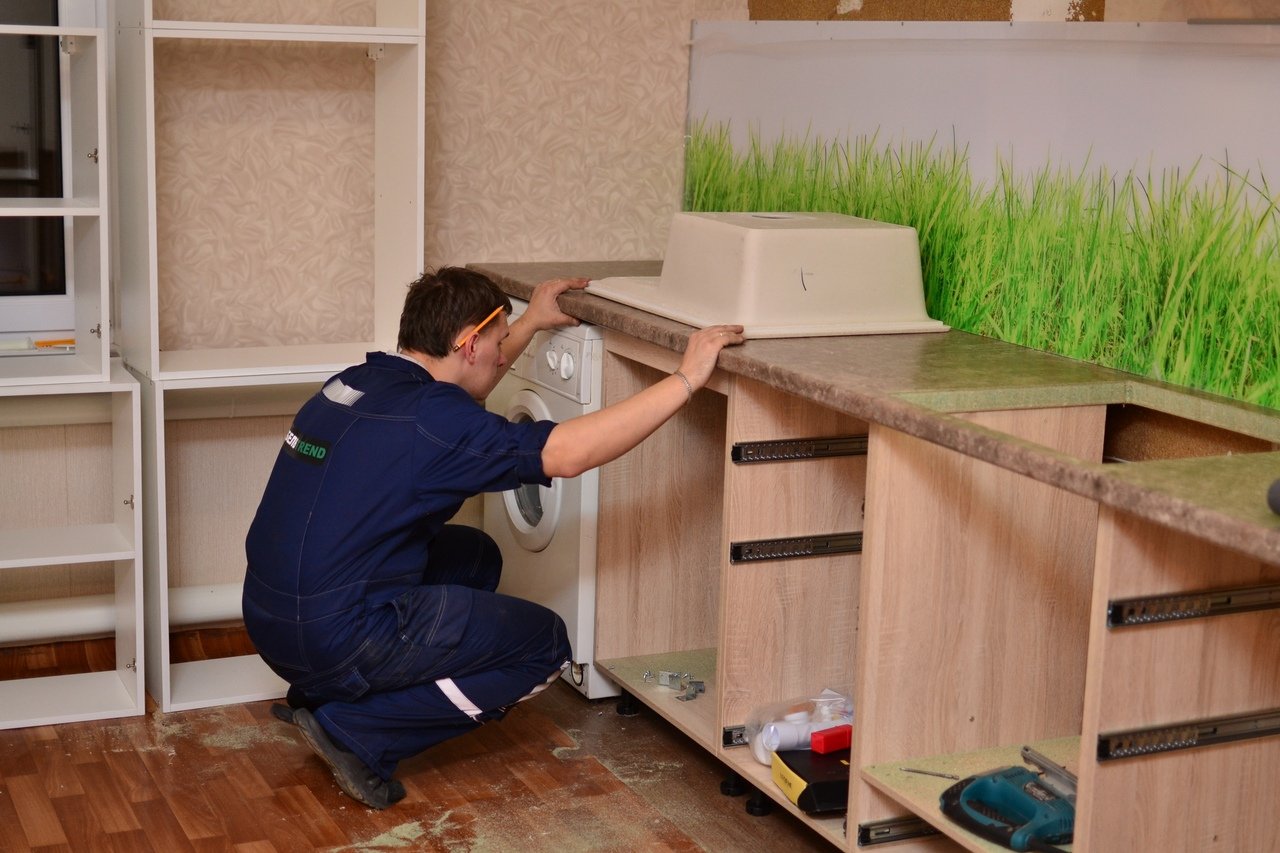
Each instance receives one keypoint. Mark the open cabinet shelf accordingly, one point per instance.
(756, 632)
(920, 793)
(84, 212)
(696, 718)
(272, 177)
(209, 447)
(70, 533)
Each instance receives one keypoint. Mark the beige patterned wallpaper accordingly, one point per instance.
(264, 171)
(554, 132)
(555, 127)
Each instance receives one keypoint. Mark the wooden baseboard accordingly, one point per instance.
(72, 657)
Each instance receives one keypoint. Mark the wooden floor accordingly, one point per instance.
(558, 774)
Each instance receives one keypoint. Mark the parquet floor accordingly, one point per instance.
(558, 774)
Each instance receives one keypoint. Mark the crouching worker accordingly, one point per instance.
(381, 616)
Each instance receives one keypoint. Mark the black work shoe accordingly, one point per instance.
(353, 776)
(283, 712)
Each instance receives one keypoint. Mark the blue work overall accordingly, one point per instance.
(382, 617)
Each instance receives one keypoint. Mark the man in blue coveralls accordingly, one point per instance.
(381, 616)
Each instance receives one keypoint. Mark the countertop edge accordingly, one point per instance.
(1256, 537)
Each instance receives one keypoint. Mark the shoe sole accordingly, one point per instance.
(316, 738)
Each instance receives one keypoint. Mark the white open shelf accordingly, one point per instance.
(209, 444)
(57, 546)
(83, 62)
(68, 699)
(93, 429)
(280, 337)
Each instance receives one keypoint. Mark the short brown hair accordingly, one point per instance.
(443, 304)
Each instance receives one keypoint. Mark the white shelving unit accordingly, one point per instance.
(394, 45)
(208, 448)
(84, 208)
(269, 227)
(85, 535)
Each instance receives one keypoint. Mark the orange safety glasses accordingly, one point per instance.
(475, 330)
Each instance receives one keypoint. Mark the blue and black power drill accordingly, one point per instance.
(1016, 807)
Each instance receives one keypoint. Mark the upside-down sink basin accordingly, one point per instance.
(784, 275)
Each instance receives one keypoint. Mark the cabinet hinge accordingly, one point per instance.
(93, 155)
(132, 664)
(734, 736)
(96, 330)
(375, 51)
(68, 45)
(129, 502)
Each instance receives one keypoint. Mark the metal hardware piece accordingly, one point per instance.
(68, 45)
(96, 330)
(1147, 610)
(93, 155)
(691, 688)
(1193, 733)
(1053, 775)
(129, 502)
(375, 51)
(132, 664)
(892, 829)
(798, 546)
(671, 679)
(733, 736)
(787, 449)
(951, 776)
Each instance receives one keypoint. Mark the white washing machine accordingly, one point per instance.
(548, 535)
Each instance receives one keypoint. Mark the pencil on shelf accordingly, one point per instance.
(55, 342)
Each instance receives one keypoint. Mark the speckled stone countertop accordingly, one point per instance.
(912, 382)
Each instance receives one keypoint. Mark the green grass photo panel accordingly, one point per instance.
(1173, 275)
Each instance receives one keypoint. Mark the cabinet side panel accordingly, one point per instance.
(788, 626)
(657, 573)
(134, 323)
(1208, 798)
(975, 597)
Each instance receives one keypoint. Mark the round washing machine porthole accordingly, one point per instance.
(533, 511)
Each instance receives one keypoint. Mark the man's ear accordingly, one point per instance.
(469, 349)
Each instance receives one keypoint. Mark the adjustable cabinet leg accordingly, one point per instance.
(628, 706)
(758, 804)
(733, 785)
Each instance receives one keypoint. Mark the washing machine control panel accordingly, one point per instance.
(563, 362)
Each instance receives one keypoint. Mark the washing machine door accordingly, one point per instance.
(533, 511)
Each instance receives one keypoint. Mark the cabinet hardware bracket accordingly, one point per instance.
(787, 449)
(375, 51)
(1147, 610)
(68, 45)
(96, 330)
(129, 502)
(93, 155)
(733, 736)
(892, 829)
(1193, 733)
(798, 546)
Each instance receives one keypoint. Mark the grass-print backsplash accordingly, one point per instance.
(1171, 275)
